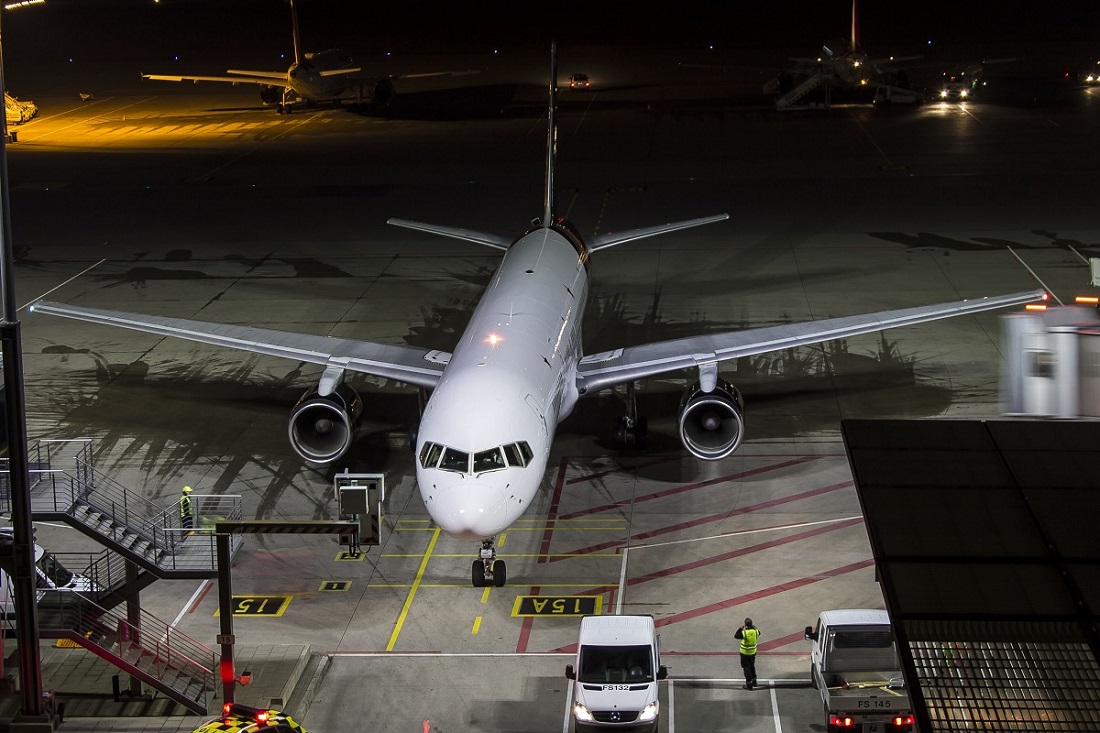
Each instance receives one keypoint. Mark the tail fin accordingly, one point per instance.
(294, 30)
(551, 139)
(855, 27)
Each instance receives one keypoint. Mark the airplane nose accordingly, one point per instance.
(468, 511)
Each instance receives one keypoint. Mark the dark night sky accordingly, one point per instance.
(211, 34)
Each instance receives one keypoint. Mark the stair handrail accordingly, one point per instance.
(171, 648)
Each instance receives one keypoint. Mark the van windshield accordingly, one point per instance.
(603, 664)
(58, 574)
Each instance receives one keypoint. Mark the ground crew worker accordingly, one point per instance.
(749, 635)
(187, 510)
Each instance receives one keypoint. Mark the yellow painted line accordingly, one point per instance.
(485, 595)
(477, 625)
(412, 592)
(517, 554)
(560, 528)
(589, 584)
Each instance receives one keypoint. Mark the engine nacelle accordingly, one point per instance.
(323, 428)
(383, 92)
(711, 423)
(270, 94)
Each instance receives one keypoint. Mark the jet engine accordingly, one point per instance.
(270, 94)
(383, 92)
(711, 425)
(322, 428)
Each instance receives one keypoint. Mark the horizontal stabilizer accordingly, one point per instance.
(603, 241)
(340, 72)
(491, 240)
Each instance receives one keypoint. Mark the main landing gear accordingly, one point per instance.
(630, 431)
(487, 570)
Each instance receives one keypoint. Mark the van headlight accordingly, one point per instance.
(649, 712)
(581, 713)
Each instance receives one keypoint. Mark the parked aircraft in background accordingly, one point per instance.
(842, 63)
(517, 371)
(325, 76)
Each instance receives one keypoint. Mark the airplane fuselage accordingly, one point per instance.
(308, 80)
(509, 381)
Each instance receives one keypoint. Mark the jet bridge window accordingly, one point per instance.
(429, 454)
(455, 460)
(488, 460)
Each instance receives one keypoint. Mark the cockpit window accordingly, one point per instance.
(455, 460)
(526, 451)
(488, 460)
(514, 458)
(429, 454)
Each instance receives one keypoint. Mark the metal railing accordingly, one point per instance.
(158, 652)
(64, 482)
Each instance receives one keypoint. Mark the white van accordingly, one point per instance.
(615, 678)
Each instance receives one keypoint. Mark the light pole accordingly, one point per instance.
(33, 715)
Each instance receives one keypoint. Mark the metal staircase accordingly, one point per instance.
(152, 651)
(66, 487)
(800, 90)
(144, 542)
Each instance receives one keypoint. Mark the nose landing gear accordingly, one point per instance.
(487, 570)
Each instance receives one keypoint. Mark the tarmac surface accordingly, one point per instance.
(195, 202)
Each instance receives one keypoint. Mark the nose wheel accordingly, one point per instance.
(487, 570)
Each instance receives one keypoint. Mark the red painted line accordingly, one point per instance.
(552, 514)
(688, 487)
(621, 469)
(764, 593)
(704, 562)
(198, 601)
(770, 646)
(755, 595)
(702, 520)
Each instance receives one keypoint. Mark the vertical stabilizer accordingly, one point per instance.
(294, 30)
(856, 47)
(551, 139)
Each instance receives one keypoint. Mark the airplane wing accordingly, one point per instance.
(411, 365)
(599, 371)
(242, 77)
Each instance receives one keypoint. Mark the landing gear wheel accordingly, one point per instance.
(500, 574)
(477, 574)
(618, 433)
(629, 434)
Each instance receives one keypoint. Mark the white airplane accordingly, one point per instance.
(518, 370)
(841, 63)
(313, 77)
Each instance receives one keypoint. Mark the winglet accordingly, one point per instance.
(551, 139)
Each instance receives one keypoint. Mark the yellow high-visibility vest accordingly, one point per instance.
(748, 641)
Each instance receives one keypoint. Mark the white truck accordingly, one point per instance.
(855, 666)
(615, 678)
